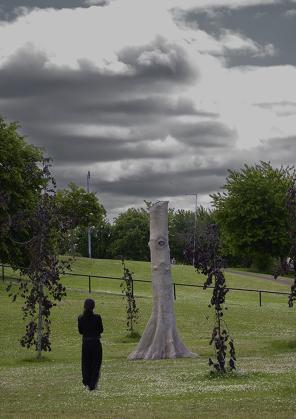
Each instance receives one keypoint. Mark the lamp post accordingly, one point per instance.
(195, 223)
(89, 228)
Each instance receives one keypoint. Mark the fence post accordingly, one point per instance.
(175, 296)
(260, 299)
(89, 284)
(2, 272)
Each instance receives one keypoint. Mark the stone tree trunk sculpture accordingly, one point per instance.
(160, 338)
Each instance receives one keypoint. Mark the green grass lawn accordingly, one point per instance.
(265, 339)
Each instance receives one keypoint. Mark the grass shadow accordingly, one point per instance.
(35, 360)
(284, 345)
(129, 338)
(235, 376)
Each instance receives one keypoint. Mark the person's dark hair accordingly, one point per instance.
(89, 306)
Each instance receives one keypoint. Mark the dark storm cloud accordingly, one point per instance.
(151, 184)
(76, 149)
(40, 95)
(265, 24)
(43, 96)
(144, 107)
(205, 134)
(31, 90)
(279, 150)
(156, 67)
(90, 149)
(11, 9)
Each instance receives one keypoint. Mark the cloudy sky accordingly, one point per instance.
(156, 98)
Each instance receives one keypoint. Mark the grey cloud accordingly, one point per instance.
(27, 74)
(151, 184)
(160, 59)
(76, 149)
(11, 9)
(282, 108)
(291, 13)
(152, 105)
(205, 134)
(33, 91)
(96, 2)
(271, 105)
(266, 25)
(279, 150)
(49, 102)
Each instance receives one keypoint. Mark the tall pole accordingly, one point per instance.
(195, 225)
(89, 228)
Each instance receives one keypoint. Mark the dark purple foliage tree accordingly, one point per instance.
(208, 261)
(39, 282)
(132, 311)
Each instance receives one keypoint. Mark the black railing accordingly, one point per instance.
(175, 284)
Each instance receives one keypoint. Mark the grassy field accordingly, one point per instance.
(265, 338)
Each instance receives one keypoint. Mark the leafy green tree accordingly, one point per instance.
(21, 181)
(130, 235)
(252, 214)
(101, 239)
(181, 229)
(84, 210)
(82, 207)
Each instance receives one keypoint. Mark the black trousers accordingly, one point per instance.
(91, 362)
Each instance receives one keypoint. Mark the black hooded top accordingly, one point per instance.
(90, 325)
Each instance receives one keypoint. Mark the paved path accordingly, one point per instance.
(280, 279)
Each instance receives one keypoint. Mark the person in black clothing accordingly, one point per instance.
(90, 326)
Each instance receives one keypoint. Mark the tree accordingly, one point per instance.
(82, 207)
(251, 212)
(206, 255)
(181, 229)
(290, 262)
(101, 240)
(21, 181)
(132, 311)
(160, 338)
(39, 283)
(84, 210)
(130, 235)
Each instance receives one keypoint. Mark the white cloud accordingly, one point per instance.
(96, 33)
(237, 42)
(290, 13)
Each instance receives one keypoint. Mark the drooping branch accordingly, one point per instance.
(132, 311)
(208, 261)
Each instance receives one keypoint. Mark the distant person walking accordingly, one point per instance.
(90, 326)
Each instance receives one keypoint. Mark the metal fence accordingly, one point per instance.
(89, 278)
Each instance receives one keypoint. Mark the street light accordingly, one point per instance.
(195, 222)
(89, 228)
